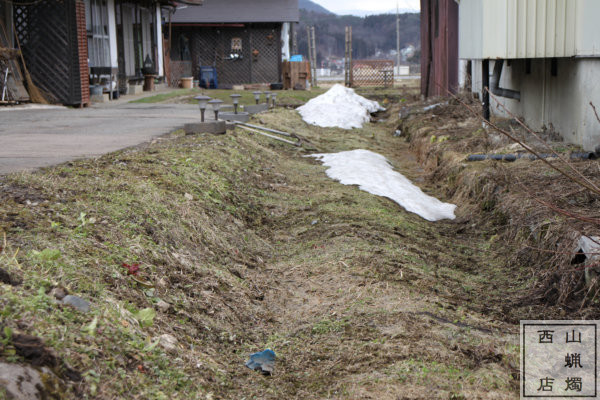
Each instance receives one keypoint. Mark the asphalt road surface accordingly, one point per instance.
(31, 138)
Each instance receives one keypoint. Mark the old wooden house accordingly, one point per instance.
(246, 41)
(68, 45)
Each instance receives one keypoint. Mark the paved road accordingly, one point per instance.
(33, 138)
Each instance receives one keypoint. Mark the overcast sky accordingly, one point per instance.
(363, 7)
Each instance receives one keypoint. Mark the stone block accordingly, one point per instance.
(229, 116)
(256, 108)
(100, 98)
(214, 127)
(135, 89)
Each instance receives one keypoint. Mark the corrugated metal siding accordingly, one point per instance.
(439, 47)
(529, 28)
(236, 11)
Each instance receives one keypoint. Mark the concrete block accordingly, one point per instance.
(229, 116)
(135, 89)
(257, 108)
(100, 98)
(214, 127)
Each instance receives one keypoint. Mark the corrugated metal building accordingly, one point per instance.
(245, 40)
(439, 47)
(546, 61)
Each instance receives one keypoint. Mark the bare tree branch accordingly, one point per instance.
(582, 183)
(546, 145)
(595, 112)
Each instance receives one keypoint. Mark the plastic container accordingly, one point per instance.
(187, 82)
(95, 90)
(208, 77)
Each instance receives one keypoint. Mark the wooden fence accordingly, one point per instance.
(372, 73)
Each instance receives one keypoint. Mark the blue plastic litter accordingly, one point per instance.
(263, 361)
(296, 58)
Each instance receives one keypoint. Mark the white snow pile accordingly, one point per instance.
(338, 107)
(373, 173)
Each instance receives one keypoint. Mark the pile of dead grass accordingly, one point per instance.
(538, 242)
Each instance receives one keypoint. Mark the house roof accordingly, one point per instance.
(238, 11)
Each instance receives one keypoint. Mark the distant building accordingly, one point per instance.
(541, 59)
(244, 40)
(68, 43)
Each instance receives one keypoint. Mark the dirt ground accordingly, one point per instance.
(252, 246)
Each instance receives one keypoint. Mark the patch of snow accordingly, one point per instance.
(373, 173)
(434, 106)
(590, 246)
(339, 107)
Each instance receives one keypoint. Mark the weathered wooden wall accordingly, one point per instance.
(439, 47)
(260, 60)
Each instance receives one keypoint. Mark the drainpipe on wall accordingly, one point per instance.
(485, 95)
(496, 89)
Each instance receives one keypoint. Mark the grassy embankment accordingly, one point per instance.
(252, 246)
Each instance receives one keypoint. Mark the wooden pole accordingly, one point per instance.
(351, 75)
(397, 39)
(314, 55)
(310, 60)
(346, 70)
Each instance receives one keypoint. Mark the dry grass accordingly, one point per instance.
(519, 202)
(254, 247)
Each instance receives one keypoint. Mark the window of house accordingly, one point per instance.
(96, 13)
(136, 36)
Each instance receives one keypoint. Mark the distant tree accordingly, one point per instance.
(416, 58)
(369, 34)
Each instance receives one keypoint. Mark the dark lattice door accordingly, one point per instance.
(47, 32)
(266, 55)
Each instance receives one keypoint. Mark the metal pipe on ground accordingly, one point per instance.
(496, 89)
(532, 157)
(268, 135)
(266, 129)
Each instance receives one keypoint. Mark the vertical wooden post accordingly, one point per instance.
(351, 74)
(310, 53)
(346, 69)
(348, 79)
(397, 40)
(314, 55)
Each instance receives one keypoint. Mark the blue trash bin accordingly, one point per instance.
(208, 77)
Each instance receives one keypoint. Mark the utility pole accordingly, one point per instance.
(397, 39)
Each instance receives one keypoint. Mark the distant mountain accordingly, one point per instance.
(312, 6)
(364, 13)
(371, 35)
